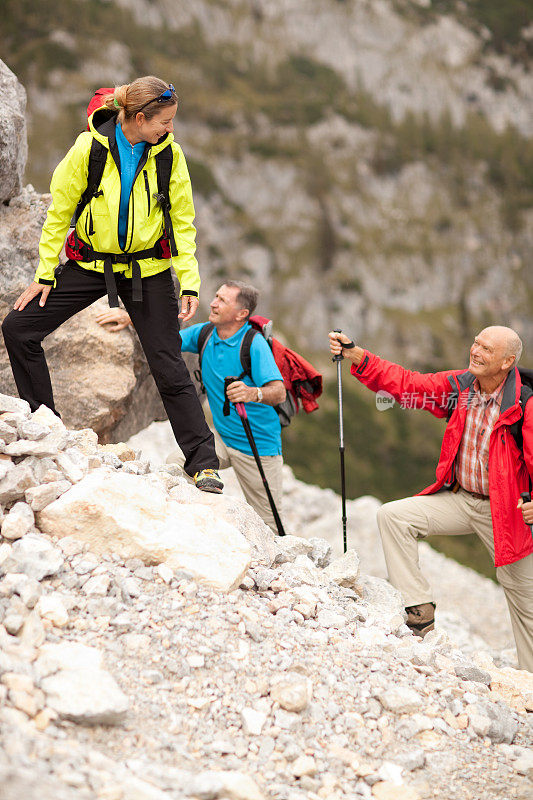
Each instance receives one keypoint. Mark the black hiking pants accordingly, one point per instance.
(157, 325)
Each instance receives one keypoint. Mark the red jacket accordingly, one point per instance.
(510, 470)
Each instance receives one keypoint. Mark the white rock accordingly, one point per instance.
(524, 765)
(5, 465)
(86, 696)
(401, 700)
(5, 552)
(8, 433)
(50, 607)
(18, 522)
(292, 691)
(46, 416)
(73, 464)
(238, 786)
(327, 618)
(14, 404)
(13, 623)
(290, 547)
(321, 552)
(12, 584)
(99, 510)
(237, 513)
(30, 592)
(39, 497)
(97, 586)
(15, 482)
(164, 572)
(33, 633)
(253, 721)
(32, 430)
(304, 765)
(35, 556)
(48, 446)
(85, 440)
(345, 570)
(66, 655)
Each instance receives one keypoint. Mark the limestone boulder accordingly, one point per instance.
(237, 512)
(13, 140)
(101, 380)
(135, 517)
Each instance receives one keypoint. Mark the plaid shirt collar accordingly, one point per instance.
(485, 399)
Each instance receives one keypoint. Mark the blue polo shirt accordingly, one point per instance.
(221, 359)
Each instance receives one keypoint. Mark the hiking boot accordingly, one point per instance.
(208, 480)
(421, 619)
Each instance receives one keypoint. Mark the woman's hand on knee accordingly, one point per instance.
(189, 307)
(32, 291)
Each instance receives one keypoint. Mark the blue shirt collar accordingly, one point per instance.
(234, 340)
(123, 142)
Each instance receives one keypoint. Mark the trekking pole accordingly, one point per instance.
(241, 411)
(339, 360)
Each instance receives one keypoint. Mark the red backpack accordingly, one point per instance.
(97, 101)
(302, 381)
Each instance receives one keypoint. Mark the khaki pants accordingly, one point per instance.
(248, 477)
(402, 522)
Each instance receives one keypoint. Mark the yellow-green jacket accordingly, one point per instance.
(145, 218)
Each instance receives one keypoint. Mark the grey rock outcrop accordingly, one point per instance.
(13, 143)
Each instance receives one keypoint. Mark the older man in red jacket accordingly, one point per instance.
(480, 475)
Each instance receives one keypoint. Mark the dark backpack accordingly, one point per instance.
(526, 392)
(97, 162)
(302, 382)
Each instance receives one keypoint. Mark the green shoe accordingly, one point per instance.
(208, 480)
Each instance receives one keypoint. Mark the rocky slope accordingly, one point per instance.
(309, 511)
(126, 675)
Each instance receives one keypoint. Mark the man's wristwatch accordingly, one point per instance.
(259, 395)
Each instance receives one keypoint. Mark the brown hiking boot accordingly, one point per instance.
(421, 619)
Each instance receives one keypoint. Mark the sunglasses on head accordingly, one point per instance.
(164, 97)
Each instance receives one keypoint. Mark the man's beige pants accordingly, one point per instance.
(248, 476)
(402, 522)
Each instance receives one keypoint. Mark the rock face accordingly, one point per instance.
(13, 143)
(137, 519)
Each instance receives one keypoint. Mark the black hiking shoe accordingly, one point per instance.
(421, 619)
(208, 480)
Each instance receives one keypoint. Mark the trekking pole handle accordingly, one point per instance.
(526, 497)
(340, 357)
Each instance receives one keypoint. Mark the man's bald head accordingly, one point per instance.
(495, 352)
(506, 338)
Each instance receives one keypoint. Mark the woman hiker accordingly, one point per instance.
(136, 222)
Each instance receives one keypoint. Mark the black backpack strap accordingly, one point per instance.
(203, 337)
(95, 170)
(163, 164)
(526, 393)
(246, 359)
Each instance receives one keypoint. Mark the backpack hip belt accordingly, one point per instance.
(86, 253)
